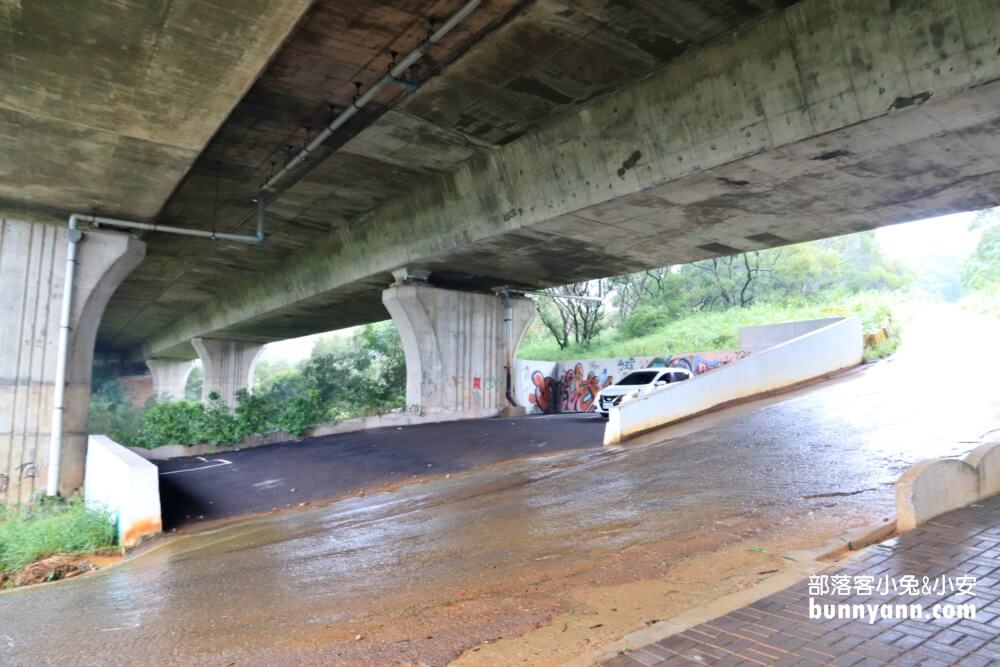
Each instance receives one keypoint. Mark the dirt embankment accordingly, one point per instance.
(55, 568)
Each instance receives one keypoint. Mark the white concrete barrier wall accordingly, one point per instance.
(833, 347)
(124, 484)
(768, 335)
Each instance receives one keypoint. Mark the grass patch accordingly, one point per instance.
(27, 534)
(710, 330)
(883, 349)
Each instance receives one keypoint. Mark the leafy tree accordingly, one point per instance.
(733, 280)
(364, 373)
(982, 269)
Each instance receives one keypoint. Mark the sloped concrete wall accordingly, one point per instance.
(831, 348)
(124, 484)
(768, 335)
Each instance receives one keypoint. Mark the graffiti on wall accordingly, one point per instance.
(547, 387)
(699, 363)
(577, 391)
(543, 392)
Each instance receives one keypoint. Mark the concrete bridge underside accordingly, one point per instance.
(824, 119)
(550, 141)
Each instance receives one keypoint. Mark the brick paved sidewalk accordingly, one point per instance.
(778, 631)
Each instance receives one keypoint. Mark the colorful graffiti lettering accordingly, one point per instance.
(625, 365)
(702, 363)
(577, 392)
(544, 392)
(573, 386)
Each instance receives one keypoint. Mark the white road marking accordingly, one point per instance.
(216, 463)
(269, 483)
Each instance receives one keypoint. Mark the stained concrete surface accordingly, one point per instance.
(538, 560)
(824, 119)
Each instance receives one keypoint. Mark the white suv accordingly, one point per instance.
(638, 383)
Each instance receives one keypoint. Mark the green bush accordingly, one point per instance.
(342, 378)
(252, 415)
(169, 422)
(298, 413)
(646, 319)
(27, 534)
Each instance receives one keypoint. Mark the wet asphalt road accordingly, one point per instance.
(417, 574)
(234, 483)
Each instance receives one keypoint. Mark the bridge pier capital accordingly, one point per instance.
(170, 377)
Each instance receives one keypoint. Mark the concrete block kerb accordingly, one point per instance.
(455, 346)
(986, 459)
(228, 366)
(930, 488)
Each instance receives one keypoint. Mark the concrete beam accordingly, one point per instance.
(228, 367)
(170, 377)
(32, 258)
(455, 347)
(105, 105)
(830, 117)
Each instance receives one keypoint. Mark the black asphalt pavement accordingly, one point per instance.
(234, 483)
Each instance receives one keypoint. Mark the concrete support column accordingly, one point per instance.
(32, 266)
(455, 347)
(228, 366)
(169, 377)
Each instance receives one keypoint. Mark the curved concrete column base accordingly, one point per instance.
(454, 342)
(33, 257)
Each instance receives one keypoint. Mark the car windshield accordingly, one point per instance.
(639, 377)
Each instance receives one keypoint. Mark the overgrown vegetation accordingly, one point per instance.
(981, 271)
(343, 378)
(710, 329)
(190, 422)
(48, 528)
(701, 306)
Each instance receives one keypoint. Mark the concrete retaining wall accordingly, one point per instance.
(823, 350)
(571, 386)
(930, 488)
(124, 484)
